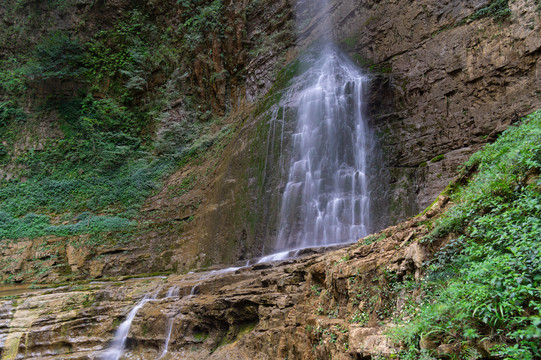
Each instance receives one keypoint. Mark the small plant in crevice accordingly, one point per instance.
(359, 317)
(497, 9)
(316, 289)
(333, 314)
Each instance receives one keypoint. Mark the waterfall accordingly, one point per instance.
(174, 291)
(318, 128)
(116, 349)
(326, 199)
(167, 339)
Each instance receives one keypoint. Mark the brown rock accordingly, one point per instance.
(358, 336)
(76, 256)
(426, 343)
(448, 351)
(96, 268)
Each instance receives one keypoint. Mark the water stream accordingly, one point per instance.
(167, 338)
(174, 291)
(117, 347)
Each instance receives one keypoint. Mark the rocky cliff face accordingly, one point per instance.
(209, 77)
(454, 82)
(444, 81)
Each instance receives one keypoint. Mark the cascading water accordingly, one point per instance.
(326, 199)
(117, 347)
(174, 291)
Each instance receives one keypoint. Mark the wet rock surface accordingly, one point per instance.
(442, 86)
(333, 304)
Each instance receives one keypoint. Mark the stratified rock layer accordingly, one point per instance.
(336, 304)
(452, 83)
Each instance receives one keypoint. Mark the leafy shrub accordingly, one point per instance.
(30, 226)
(12, 79)
(203, 18)
(122, 190)
(34, 225)
(10, 112)
(120, 50)
(57, 56)
(102, 164)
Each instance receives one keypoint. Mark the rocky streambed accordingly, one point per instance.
(335, 304)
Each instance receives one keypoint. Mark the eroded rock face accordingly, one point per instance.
(336, 304)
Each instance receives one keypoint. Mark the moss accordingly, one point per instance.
(384, 68)
(350, 42)
(445, 192)
(437, 158)
(88, 302)
(283, 79)
(361, 61)
(200, 336)
(145, 329)
(371, 19)
(497, 9)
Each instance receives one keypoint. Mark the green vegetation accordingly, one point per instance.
(200, 337)
(33, 225)
(382, 68)
(360, 317)
(316, 289)
(373, 238)
(100, 163)
(350, 42)
(497, 9)
(484, 286)
(102, 160)
(437, 158)
(283, 80)
(58, 56)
